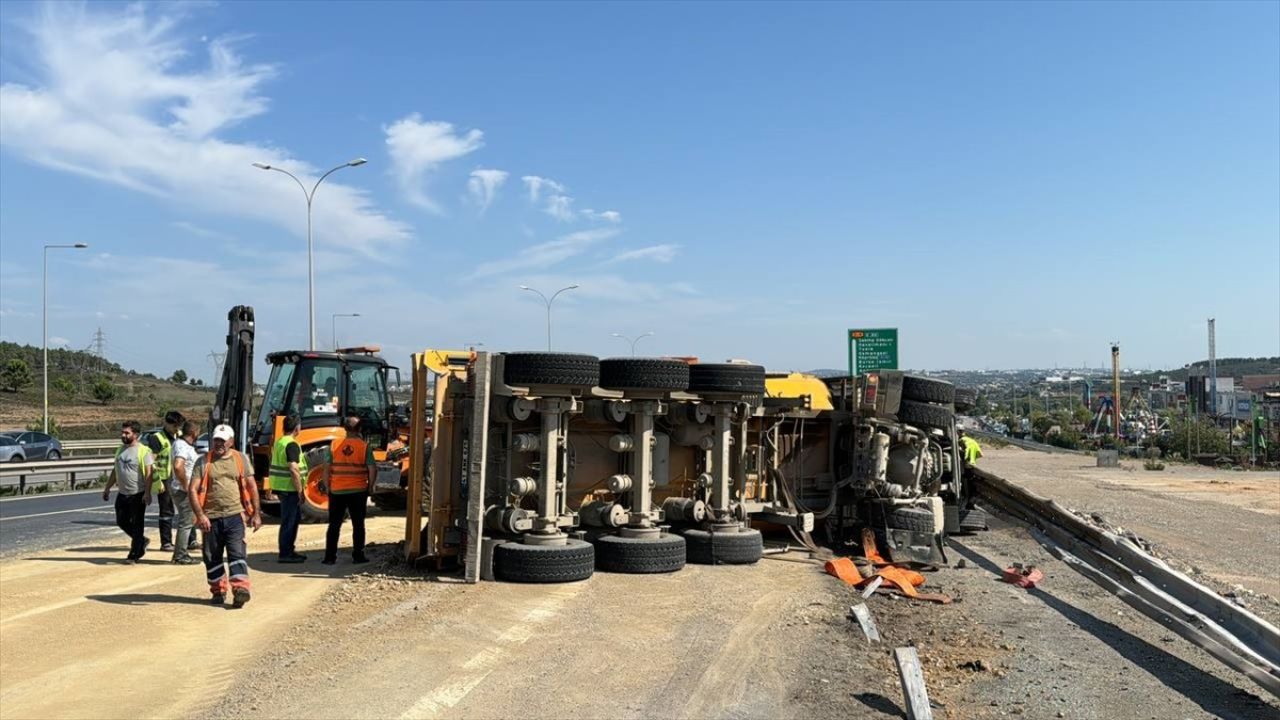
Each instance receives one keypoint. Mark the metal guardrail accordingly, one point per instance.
(65, 471)
(1236, 637)
(73, 446)
(1024, 444)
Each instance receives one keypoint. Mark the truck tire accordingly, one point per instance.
(726, 378)
(517, 562)
(973, 520)
(744, 547)
(314, 502)
(539, 368)
(637, 555)
(923, 389)
(879, 514)
(644, 374)
(927, 414)
(966, 398)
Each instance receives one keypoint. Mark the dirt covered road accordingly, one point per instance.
(85, 636)
(1221, 526)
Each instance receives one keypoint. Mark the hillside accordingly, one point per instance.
(75, 412)
(1227, 367)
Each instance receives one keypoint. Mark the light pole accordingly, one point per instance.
(77, 246)
(548, 302)
(633, 341)
(334, 322)
(311, 267)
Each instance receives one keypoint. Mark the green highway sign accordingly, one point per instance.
(873, 349)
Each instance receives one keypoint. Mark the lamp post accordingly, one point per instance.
(633, 341)
(548, 303)
(45, 303)
(311, 268)
(334, 323)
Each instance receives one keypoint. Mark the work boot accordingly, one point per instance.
(293, 558)
(146, 542)
(218, 599)
(167, 547)
(239, 596)
(185, 560)
(329, 561)
(359, 559)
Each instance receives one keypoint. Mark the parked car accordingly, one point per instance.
(10, 450)
(202, 444)
(38, 446)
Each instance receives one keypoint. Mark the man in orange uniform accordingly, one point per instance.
(351, 475)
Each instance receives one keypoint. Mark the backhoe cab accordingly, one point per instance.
(323, 388)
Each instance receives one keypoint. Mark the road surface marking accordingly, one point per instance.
(58, 512)
(38, 496)
(76, 601)
(458, 685)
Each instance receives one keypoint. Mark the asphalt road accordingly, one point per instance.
(37, 523)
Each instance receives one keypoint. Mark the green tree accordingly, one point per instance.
(179, 376)
(64, 386)
(104, 391)
(38, 426)
(16, 375)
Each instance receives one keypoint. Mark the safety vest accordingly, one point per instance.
(143, 451)
(162, 470)
(349, 472)
(201, 488)
(971, 450)
(280, 478)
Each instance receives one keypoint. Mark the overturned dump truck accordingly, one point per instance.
(544, 467)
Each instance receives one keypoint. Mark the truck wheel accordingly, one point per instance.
(744, 547)
(973, 520)
(517, 562)
(644, 374)
(919, 413)
(916, 387)
(636, 555)
(539, 368)
(879, 514)
(726, 378)
(966, 398)
(390, 501)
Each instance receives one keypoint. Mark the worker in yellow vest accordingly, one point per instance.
(287, 479)
(161, 444)
(969, 448)
(350, 477)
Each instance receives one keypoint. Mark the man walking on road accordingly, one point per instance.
(185, 458)
(223, 494)
(287, 480)
(132, 474)
(351, 475)
(161, 444)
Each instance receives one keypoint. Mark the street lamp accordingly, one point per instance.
(633, 342)
(77, 246)
(334, 322)
(311, 268)
(548, 302)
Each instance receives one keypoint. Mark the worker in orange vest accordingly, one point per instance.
(349, 479)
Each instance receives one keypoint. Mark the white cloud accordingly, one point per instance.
(198, 231)
(560, 207)
(115, 95)
(657, 253)
(58, 341)
(547, 254)
(535, 185)
(483, 186)
(611, 216)
(418, 147)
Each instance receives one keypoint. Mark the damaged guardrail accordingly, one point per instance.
(1236, 637)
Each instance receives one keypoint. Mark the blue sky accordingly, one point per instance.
(1011, 185)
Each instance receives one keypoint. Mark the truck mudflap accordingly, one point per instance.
(911, 546)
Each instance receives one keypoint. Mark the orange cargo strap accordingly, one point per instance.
(901, 578)
(246, 497)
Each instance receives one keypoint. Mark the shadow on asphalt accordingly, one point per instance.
(138, 599)
(1214, 695)
(159, 559)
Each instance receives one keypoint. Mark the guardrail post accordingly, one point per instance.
(22, 484)
(72, 484)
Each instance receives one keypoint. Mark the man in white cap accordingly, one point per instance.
(223, 496)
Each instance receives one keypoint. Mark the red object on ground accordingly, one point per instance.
(1027, 578)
